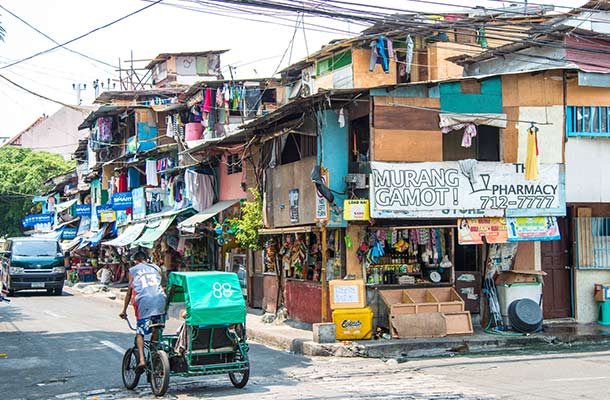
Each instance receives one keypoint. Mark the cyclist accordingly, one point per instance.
(148, 299)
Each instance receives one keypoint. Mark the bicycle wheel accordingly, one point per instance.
(130, 362)
(159, 380)
(240, 379)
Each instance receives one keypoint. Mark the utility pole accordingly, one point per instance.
(79, 88)
(97, 84)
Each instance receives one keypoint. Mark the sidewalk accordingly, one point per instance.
(298, 338)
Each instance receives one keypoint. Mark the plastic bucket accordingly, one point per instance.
(604, 313)
(193, 131)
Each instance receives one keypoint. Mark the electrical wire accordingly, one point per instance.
(55, 41)
(41, 95)
(81, 36)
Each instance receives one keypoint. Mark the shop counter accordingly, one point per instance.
(303, 299)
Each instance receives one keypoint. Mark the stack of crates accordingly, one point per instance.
(352, 318)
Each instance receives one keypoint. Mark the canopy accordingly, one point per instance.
(211, 298)
(154, 230)
(95, 239)
(129, 235)
(59, 207)
(189, 224)
(68, 245)
(450, 119)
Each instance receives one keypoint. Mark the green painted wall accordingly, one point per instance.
(488, 101)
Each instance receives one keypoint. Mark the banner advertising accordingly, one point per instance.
(83, 210)
(122, 201)
(472, 230)
(69, 233)
(356, 210)
(322, 208)
(108, 216)
(101, 209)
(533, 228)
(38, 221)
(459, 189)
(139, 203)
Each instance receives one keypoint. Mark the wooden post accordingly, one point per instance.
(323, 272)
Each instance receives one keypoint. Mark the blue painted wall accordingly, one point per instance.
(333, 154)
(488, 101)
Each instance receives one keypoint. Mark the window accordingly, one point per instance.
(31, 248)
(588, 121)
(592, 236)
(336, 61)
(485, 145)
(234, 164)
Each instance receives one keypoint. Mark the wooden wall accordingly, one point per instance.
(406, 134)
(282, 179)
(363, 78)
(438, 66)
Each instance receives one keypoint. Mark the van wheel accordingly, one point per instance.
(58, 291)
(50, 292)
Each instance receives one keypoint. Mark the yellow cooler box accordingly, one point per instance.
(353, 323)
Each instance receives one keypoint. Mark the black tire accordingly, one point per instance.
(240, 379)
(58, 291)
(128, 370)
(159, 380)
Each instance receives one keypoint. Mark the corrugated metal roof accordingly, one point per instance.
(165, 56)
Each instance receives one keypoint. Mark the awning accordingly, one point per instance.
(292, 229)
(154, 230)
(95, 239)
(189, 224)
(59, 207)
(129, 235)
(68, 245)
(449, 119)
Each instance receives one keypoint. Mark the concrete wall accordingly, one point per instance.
(550, 137)
(587, 179)
(56, 134)
(584, 282)
(231, 185)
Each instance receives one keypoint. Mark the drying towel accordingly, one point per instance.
(151, 173)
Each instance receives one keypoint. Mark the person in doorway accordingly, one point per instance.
(149, 300)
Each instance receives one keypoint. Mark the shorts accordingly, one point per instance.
(143, 326)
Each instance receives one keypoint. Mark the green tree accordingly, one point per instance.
(246, 227)
(22, 174)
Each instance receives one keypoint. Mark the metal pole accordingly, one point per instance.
(323, 272)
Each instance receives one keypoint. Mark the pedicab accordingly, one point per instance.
(204, 333)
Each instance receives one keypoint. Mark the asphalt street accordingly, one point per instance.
(70, 347)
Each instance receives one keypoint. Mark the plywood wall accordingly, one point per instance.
(438, 66)
(585, 95)
(550, 136)
(281, 180)
(540, 89)
(363, 78)
(406, 134)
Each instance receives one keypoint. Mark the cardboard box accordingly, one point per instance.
(347, 294)
(602, 291)
(509, 277)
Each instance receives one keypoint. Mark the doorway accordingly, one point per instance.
(556, 291)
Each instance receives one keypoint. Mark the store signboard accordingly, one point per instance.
(322, 208)
(83, 210)
(293, 201)
(473, 230)
(69, 233)
(139, 203)
(38, 221)
(108, 216)
(494, 189)
(533, 228)
(122, 201)
(102, 209)
(356, 210)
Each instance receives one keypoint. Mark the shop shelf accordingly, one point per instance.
(449, 300)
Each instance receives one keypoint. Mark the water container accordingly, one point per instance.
(193, 131)
(604, 313)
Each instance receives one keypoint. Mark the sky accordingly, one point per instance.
(256, 48)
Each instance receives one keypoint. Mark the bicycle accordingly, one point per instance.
(3, 298)
(157, 366)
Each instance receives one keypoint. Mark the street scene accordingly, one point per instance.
(304, 199)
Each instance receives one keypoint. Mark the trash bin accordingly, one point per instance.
(604, 313)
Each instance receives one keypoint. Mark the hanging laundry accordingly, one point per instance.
(151, 173)
(341, 119)
(379, 55)
(122, 182)
(199, 189)
(104, 126)
(133, 177)
(470, 131)
(531, 155)
(409, 56)
(220, 98)
(207, 100)
(390, 47)
(169, 126)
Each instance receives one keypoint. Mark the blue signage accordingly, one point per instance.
(139, 203)
(100, 209)
(37, 219)
(122, 201)
(83, 210)
(69, 233)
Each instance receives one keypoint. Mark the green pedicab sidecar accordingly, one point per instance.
(212, 338)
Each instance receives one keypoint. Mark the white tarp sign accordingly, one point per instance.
(437, 189)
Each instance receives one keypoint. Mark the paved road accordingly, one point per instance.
(70, 347)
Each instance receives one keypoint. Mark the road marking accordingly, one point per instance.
(113, 346)
(52, 314)
(586, 378)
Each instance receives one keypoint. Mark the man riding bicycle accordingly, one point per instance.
(148, 299)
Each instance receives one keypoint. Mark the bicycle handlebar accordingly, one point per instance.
(129, 323)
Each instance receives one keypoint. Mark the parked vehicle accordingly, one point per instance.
(33, 263)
